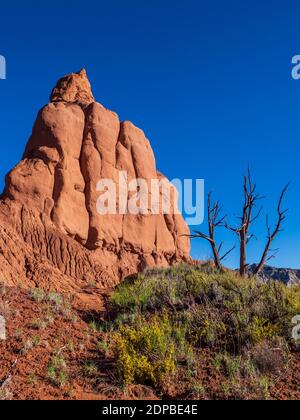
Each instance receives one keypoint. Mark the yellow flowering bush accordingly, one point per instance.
(261, 329)
(146, 352)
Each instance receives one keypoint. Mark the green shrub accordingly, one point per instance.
(57, 371)
(165, 316)
(223, 309)
(90, 368)
(38, 295)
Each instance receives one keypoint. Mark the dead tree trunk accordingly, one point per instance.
(242, 231)
(272, 234)
(214, 221)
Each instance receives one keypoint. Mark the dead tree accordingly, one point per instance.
(214, 221)
(247, 218)
(243, 231)
(272, 234)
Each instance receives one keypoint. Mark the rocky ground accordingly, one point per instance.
(53, 350)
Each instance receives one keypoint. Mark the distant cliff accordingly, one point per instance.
(288, 276)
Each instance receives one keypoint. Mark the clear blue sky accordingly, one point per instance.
(209, 82)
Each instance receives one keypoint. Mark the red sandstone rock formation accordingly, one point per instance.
(51, 234)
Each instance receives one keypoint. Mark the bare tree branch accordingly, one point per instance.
(272, 234)
(214, 221)
(227, 253)
(242, 230)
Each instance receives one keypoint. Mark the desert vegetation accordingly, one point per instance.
(185, 332)
(167, 324)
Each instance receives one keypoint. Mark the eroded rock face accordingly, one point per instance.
(73, 88)
(51, 233)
